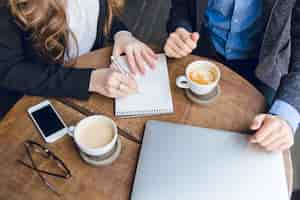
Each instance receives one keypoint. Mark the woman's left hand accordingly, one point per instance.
(138, 54)
(272, 133)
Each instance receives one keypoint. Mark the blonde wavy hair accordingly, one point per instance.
(46, 22)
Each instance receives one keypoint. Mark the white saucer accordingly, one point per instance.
(104, 160)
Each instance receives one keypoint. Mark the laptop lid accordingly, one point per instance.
(180, 162)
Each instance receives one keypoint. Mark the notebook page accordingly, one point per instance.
(154, 95)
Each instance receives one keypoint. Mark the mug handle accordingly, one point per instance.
(71, 131)
(182, 82)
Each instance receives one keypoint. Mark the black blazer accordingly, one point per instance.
(23, 71)
(279, 60)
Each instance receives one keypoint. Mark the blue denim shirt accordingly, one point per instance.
(236, 30)
(236, 27)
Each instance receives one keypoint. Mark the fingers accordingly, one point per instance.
(127, 81)
(195, 37)
(112, 81)
(119, 85)
(171, 51)
(257, 122)
(184, 34)
(139, 56)
(284, 147)
(273, 133)
(266, 129)
(131, 61)
(149, 58)
(179, 53)
(191, 39)
(115, 93)
(191, 44)
(275, 146)
(271, 138)
(114, 67)
(140, 62)
(125, 89)
(151, 52)
(181, 43)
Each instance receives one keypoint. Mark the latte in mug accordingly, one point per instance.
(96, 135)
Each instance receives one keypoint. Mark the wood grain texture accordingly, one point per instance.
(19, 183)
(234, 109)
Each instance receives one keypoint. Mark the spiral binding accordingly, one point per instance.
(145, 112)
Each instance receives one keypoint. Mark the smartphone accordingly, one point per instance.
(48, 122)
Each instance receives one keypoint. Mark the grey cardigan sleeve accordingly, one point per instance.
(289, 89)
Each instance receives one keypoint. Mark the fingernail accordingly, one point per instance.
(254, 125)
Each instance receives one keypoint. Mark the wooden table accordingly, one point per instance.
(20, 183)
(233, 110)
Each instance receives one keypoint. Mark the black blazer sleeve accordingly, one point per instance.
(32, 76)
(180, 16)
(289, 89)
(117, 25)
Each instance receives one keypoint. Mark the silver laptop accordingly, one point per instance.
(180, 162)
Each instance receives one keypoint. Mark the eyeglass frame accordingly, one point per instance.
(29, 144)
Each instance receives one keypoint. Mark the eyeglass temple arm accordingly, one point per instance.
(39, 174)
(66, 169)
(42, 171)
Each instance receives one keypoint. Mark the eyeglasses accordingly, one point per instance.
(34, 147)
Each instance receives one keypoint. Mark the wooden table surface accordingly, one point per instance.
(20, 183)
(233, 110)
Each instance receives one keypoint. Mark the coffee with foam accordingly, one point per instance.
(203, 77)
(95, 133)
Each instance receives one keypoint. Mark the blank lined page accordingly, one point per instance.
(154, 95)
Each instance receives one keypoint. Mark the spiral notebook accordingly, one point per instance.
(154, 93)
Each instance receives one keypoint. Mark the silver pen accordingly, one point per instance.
(117, 64)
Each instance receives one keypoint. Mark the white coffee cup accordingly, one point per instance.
(76, 133)
(200, 89)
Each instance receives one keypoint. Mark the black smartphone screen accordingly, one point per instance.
(47, 120)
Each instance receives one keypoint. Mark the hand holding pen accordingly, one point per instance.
(117, 66)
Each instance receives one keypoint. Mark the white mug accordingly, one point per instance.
(100, 151)
(200, 89)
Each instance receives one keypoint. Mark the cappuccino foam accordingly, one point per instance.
(95, 133)
(203, 77)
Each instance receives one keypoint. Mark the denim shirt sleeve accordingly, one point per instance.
(286, 112)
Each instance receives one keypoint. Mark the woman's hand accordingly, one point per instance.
(111, 83)
(272, 133)
(138, 54)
